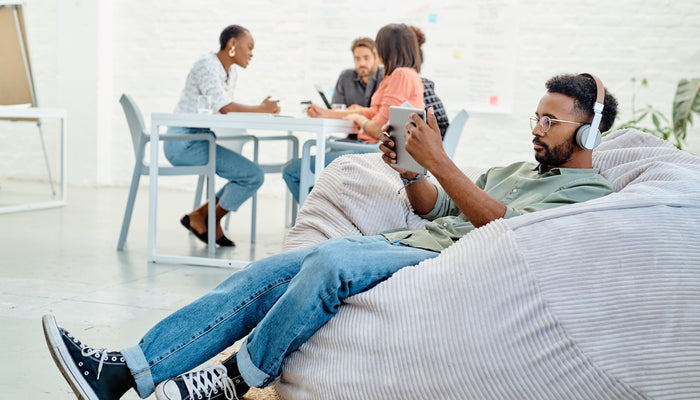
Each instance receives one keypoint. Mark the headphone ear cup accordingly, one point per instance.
(582, 136)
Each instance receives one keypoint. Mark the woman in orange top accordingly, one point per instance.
(398, 50)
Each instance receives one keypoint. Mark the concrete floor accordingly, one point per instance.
(64, 261)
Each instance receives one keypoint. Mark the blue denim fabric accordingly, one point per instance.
(244, 176)
(292, 172)
(285, 297)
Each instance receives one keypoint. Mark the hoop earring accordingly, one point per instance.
(232, 52)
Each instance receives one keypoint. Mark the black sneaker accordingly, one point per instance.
(211, 382)
(93, 374)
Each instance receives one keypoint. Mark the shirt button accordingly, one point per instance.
(445, 224)
(515, 190)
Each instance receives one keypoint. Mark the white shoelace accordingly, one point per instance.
(87, 351)
(206, 381)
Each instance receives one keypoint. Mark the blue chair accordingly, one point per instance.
(139, 139)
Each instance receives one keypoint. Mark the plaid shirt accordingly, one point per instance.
(432, 100)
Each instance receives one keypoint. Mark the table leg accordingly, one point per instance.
(320, 154)
(153, 193)
(64, 158)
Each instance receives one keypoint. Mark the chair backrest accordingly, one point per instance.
(454, 132)
(139, 136)
(234, 145)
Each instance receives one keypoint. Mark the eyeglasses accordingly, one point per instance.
(545, 123)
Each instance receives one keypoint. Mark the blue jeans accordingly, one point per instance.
(292, 172)
(285, 297)
(244, 176)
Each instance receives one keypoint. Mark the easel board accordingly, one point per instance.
(16, 82)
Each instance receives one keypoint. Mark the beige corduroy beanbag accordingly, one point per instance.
(597, 300)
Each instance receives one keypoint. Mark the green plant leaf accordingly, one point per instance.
(641, 117)
(685, 103)
(661, 116)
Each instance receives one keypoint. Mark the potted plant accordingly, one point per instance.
(686, 102)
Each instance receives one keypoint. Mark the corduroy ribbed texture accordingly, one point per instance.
(598, 300)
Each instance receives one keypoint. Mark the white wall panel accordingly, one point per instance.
(86, 53)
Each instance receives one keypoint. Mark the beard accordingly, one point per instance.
(555, 156)
(364, 72)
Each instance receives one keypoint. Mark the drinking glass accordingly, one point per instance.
(339, 107)
(204, 104)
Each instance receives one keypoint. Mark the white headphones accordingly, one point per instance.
(588, 135)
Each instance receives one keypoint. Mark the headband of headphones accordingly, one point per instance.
(590, 139)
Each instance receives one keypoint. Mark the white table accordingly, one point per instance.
(40, 112)
(321, 126)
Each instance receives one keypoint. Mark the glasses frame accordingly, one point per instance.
(535, 122)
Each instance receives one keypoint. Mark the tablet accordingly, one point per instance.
(323, 96)
(398, 117)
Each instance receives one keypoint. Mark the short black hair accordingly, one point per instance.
(231, 31)
(582, 88)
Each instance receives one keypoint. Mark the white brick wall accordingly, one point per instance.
(86, 53)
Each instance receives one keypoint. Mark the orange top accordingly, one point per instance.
(404, 84)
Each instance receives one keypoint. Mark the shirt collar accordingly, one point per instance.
(221, 71)
(564, 171)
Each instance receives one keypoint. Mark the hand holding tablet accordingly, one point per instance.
(398, 118)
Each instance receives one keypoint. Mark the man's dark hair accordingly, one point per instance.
(398, 47)
(231, 31)
(363, 42)
(582, 89)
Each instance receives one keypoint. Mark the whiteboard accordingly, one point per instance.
(470, 47)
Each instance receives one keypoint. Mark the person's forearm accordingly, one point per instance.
(477, 205)
(421, 195)
(370, 127)
(236, 107)
(319, 112)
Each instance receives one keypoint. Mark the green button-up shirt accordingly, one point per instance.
(520, 186)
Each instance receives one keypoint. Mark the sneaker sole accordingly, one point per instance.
(160, 392)
(64, 361)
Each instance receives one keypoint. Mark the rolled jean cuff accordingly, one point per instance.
(249, 372)
(140, 370)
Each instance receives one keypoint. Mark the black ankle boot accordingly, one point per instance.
(93, 374)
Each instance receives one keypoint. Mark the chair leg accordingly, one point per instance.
(253, 217)
(289, 199)
(198, 192)
(307, 177)
(291, 205)
(211, 215)
(228, 221)
(129, 206)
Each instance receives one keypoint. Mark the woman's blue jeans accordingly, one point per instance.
(244, 176)
(285, 297)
